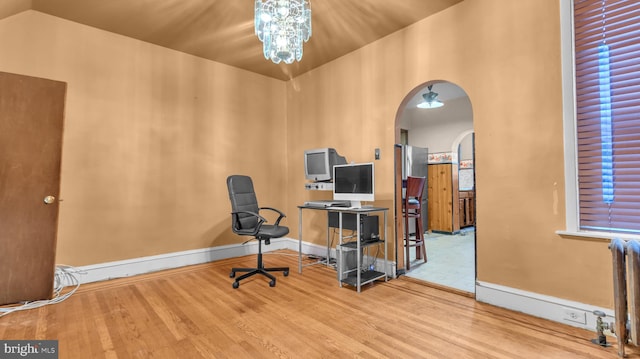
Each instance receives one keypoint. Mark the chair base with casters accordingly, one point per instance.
(247, 221)
(260, 269)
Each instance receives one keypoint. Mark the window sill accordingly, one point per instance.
(597, 235)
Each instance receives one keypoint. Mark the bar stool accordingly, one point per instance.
(412, 208)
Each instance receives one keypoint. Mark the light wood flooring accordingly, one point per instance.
(193, 312)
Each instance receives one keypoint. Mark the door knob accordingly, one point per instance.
(49, 199)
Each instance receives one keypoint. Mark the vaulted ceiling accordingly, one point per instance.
(222, 30)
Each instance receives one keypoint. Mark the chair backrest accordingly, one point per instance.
(243, 198)
(415, 187)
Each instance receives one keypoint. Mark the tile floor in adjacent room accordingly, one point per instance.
(451, 260)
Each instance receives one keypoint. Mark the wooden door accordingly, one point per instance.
(31, 120)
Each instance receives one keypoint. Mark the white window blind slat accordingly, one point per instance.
(607, 84)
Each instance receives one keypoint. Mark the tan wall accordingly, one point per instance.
(150, 137)
(506, 55)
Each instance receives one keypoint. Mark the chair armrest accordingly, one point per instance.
(255, 230)
(281, 215)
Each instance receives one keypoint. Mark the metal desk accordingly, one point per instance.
(359, 279)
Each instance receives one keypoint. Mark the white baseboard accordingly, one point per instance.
(135, 266)
(142, 265)
(542, 306)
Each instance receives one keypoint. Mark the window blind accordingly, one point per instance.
(607, 83)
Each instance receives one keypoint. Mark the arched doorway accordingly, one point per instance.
(447, 134)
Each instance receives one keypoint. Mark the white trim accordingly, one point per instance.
(599, 235)
(135, 266)
(142, 265)
(539, 305)
(569, 115)
(458, 140)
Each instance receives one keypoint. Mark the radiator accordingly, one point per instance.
(626, 292)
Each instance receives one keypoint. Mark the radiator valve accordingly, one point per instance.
(601, 326)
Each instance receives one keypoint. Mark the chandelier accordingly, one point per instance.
(283, 26)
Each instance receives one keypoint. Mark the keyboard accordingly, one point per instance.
(327, 203)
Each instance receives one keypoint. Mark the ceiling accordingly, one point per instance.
(222, 30)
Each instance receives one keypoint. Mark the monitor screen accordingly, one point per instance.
(318, 163)
(354, 182)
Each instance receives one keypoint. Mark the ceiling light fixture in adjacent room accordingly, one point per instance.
(430, 100)
(283, 26)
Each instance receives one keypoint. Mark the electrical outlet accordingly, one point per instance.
(574, 315)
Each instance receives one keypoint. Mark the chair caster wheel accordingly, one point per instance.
(236, 285)
(286, 273)
(272, 283)
(232, 274)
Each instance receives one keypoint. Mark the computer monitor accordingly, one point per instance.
(354, 182)
(318, 163)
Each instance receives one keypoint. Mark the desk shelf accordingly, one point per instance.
(354, 245)
(365, 277)
(351, 267)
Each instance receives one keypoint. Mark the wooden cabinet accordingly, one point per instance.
(443, 201)
(466, 208)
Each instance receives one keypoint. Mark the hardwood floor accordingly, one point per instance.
(193, 312)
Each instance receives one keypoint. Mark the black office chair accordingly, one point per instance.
(246, 221)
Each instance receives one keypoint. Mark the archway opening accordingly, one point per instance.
(443, 139)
